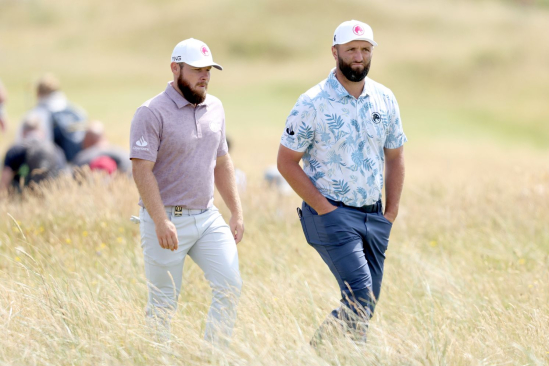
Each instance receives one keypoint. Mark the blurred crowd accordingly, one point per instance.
(55, 137)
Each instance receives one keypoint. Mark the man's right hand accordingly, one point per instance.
(148, 190)
(288, 166)
(167, 235)
(327, 208)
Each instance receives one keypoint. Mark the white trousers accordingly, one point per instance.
(204, 235)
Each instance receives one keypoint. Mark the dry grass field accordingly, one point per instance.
(467, 269)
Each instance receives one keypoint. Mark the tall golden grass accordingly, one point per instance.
(465, 284)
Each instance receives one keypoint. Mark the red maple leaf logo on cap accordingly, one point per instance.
(358, 30)
(205, 51)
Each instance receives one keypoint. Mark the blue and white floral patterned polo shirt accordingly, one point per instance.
(343, 138)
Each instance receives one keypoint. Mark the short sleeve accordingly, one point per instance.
(299, 132)
(223, 148)
(395, 134)
(145, 135)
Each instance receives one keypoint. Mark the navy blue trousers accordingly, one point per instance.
(352, 243)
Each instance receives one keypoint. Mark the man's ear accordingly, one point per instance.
(175, 68)
(334, 52)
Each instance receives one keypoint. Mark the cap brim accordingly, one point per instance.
(367, 40)
(371, 41)
(205, 64)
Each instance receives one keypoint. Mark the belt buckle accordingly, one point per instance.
(178, 211)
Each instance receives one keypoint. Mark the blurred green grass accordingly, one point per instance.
(462, 71)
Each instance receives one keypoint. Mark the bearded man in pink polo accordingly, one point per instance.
(178, 151)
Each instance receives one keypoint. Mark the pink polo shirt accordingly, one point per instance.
(184, 141)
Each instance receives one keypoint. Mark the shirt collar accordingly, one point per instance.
(177, 98)
(339, 92)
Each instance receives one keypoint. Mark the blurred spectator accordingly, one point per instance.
(239, 175)
(3, 97)
(61, 122)
(103, 164)
(32, 160)
(276, 181)
(96, 146)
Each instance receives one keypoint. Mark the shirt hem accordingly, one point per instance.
(143, 158)
(141, 204)
(396, 146)
(292, 148)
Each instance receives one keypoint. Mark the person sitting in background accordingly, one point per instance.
(3, 97)
(62, 123)
(32, 160)
(95, 146)
(103, 164)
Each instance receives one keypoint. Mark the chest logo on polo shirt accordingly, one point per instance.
(141, 142)
(376, 117)
(215, 125)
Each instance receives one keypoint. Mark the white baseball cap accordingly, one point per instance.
(353, 30)
(195, 53)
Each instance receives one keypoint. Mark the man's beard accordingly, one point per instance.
(189, 94)
(350, 73)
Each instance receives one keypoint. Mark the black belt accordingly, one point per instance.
(376, 207)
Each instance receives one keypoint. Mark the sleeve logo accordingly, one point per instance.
(290, 131)
(141, 142)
